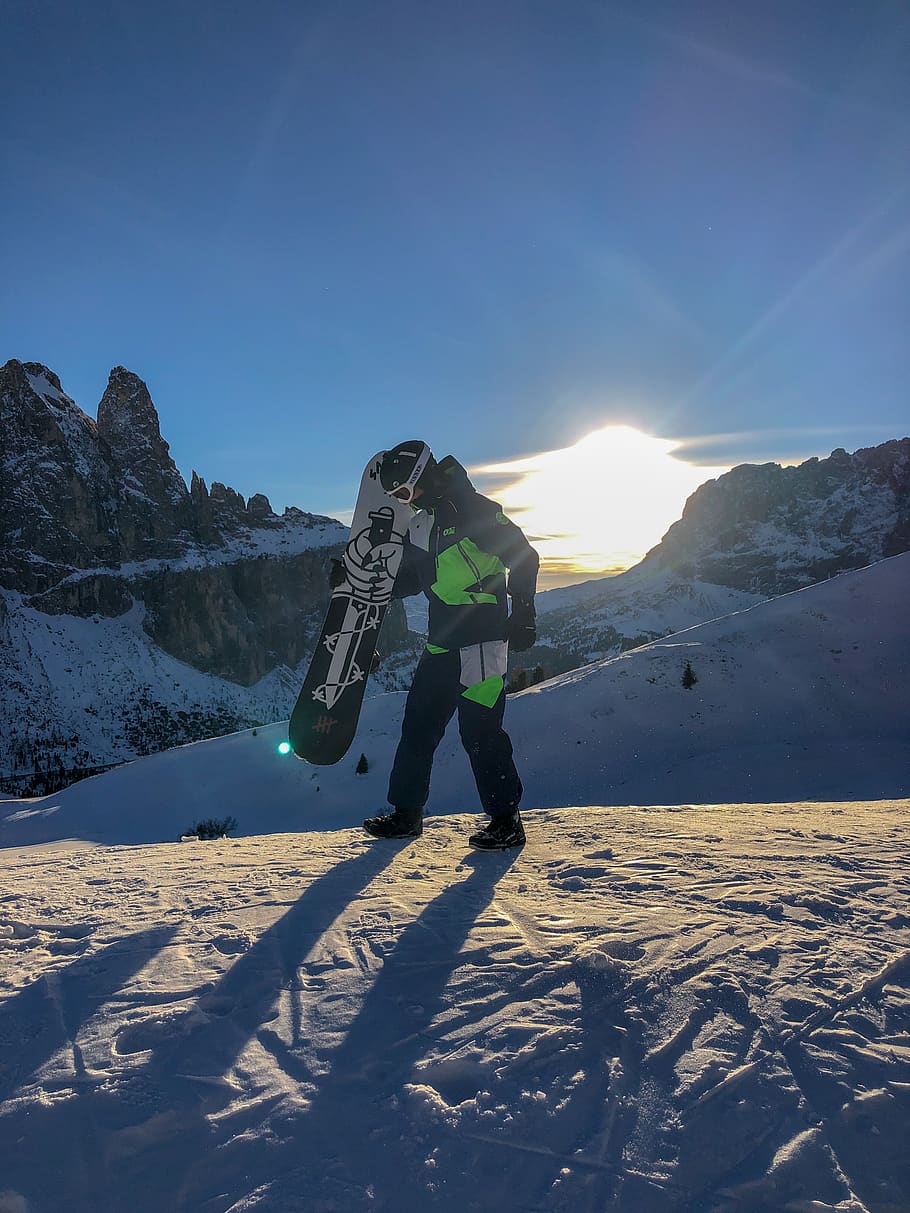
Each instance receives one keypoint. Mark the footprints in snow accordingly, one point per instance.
(58, 939)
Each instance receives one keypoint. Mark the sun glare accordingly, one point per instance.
(597, 506)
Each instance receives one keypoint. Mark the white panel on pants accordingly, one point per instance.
(480, 661)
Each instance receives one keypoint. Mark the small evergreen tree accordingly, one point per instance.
(362, 766)
(689, 677)
(518, 681)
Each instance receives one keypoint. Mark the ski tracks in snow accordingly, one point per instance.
(682, 1009)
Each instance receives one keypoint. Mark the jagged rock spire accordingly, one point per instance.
(56, 494)
(128, 423)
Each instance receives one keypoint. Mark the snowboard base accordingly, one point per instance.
(325, 716)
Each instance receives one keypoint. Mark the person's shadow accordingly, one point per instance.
(365, 1144)
(327, 1153)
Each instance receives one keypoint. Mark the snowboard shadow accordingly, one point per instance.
(46, 1016)
(37, 1024)
(245, 997)
(112, 1141)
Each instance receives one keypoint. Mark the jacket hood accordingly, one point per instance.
(452, 479)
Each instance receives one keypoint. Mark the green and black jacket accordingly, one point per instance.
(457, 553)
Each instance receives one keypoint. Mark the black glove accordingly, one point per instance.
(336, 574)
(521, 631)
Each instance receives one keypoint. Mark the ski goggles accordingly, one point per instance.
(404, 492)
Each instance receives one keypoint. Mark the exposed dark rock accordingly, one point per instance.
(239, 620)
(96, 517)
(153, 500)
(58, 498)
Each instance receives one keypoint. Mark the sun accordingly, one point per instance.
(597, 506)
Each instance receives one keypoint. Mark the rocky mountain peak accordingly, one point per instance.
(127, 404)
(55, 488)
(768, 529)
(84, 497)
(32, 399)
(259, 506)
(36, 371)
(128, 423)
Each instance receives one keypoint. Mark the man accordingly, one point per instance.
(457, 550)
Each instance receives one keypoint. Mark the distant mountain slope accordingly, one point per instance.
(752, 534)
(800, 698)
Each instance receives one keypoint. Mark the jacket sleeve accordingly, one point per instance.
(499, 535)
(407, 580)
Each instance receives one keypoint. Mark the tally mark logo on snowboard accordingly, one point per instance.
(368, 588)
(324, 724)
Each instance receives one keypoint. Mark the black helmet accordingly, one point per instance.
(403, 468)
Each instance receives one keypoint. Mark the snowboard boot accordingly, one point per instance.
(500, 834)
(400, 823)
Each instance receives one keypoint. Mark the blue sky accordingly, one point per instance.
(318, 228)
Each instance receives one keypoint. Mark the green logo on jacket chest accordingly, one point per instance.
(465, 574)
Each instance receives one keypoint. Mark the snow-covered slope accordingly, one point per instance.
(78, 693)
(656, 1010)
(803, 697)
(605, 617)
(68, 676)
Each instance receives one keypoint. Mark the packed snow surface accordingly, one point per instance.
(646, 1010)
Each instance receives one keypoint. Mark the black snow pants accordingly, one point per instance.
(436, 694)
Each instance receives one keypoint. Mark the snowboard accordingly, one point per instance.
(325, 716)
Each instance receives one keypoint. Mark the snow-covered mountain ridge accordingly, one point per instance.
(768, 529)
(83, 496)
(804, 697)
(754, 533)
(96, 516)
